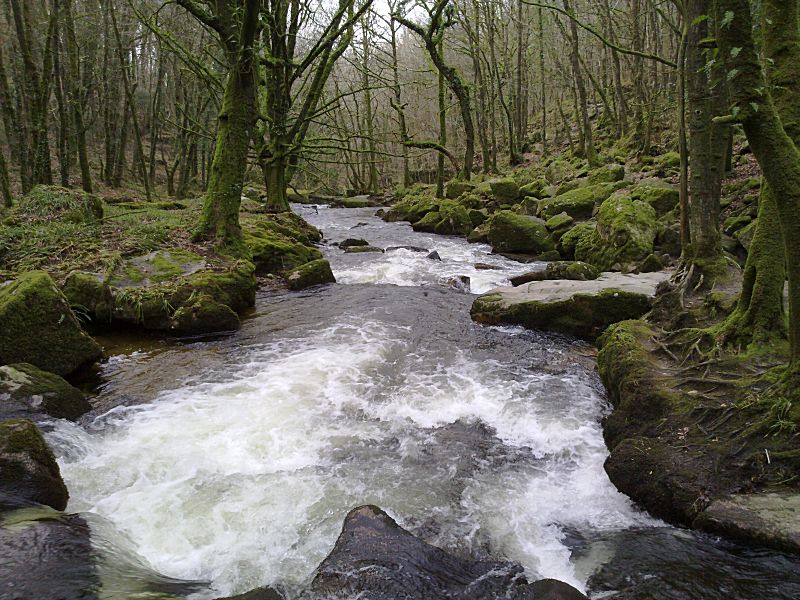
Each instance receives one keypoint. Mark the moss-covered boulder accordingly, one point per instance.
(89, 293)
(479, 235)
(412, 207)
(510, 232)
(569, 240)
(477, 217)
(280, 242)
(27, 391)
(558, 170)
(560, 269)
(580, 308)
(745, 235)
(38, 326)
(454, 219)
(625, 233)
(662, 196)
(28, 470)
(735, 222)
(579, 203)
(49, 203)
(427, 223)
(559, 221)
(667, 163)
(316, 272)
(201, 314)
(504, 190)
(456, 187)
(533, 189)
(352, 242)
(607, 174)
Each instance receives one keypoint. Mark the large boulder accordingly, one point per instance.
(29, 473)
(580, 308)
(560, 269)
(280, 242)
(570, 239)
(607, 174)
(47, 556)
(454, 219)
(412, 207)
(510, 232)
(375, 558)
(201, 314)
(316, 272)
(38, 326)
(579, 203)
(504, 190)
(659, 194)
(625, 233)
(28, 392)
(456, 187)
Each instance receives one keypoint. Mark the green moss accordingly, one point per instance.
(201, 314)
(510, 232)
(21, 382)
(559, 221)
(607, 174)
(579, 203)
(37, 326)
(455, 188)
(625, 234)
(46, 203)
(662, 196)
(533, 189)
(280, 242)
(571, 238)
(28, 469)
(453, 219)
(582, 315)
(504, 190)
(428, 222)
(314, 273)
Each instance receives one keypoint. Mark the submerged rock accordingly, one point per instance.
(29, 473)
(28, 392)
(352, 243)
(362, 249)
(37, 326)
(316, 272)
(771, 519)
(434, 256)
(376, 559)
(580, 308)
(46, 556)
(409, 248)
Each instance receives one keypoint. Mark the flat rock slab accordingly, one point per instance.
(580, 308)
(771, 519)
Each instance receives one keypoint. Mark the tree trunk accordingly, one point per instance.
(775, 151)
(586, 124)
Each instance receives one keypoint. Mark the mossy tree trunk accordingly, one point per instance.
(442, 130)
(707, 143)
(236, 23)
(5, 188)
(755, 108)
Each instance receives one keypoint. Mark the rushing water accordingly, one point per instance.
(233, 461)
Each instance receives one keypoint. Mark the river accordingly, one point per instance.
(232, 461)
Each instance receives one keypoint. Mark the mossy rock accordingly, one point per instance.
(569, 240)
(362, 249)
(734, 223)
(454, 219)
(607, 174)
(156, 267)
(29, 472)
(625, 234)
(38, 326)
(667, 163)
(89, 293)
(559, 269)
(651, 264)
(559, 221)
(510, 232)
(662, 196)
(533, 189)
(528, 206)
(232, 285)
(579, 203)
(558, 170)
(479, 235)
(276, 253)
(745, 235)
(352, 242)
(48, 203)
(581, 315)
(356, 202)
(504, 190)
(412, 207)
(668, 236)
(477, 217)
(427, 223)
(471, 201)
(201, 314)
(26, 390)
(454, 188)
(316, 272)
(568, 186)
